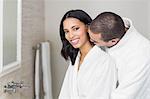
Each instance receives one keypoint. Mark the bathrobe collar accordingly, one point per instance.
(129, 33)
(91, 55)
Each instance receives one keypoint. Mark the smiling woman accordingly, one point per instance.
(10, 30)
(89, 65)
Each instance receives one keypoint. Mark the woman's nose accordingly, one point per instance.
(71, 34)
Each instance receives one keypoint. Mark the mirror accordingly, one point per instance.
(9, 31)
(10, 25)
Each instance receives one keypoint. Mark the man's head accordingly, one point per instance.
(106, 29)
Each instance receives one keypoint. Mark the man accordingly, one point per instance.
(130, 50)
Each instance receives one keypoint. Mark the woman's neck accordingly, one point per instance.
(85, 48)
(83, 52)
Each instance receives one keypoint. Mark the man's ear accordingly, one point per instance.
(113, 41)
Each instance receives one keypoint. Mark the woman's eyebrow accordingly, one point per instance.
(73, 26)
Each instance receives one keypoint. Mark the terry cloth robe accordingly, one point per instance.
(132, 55)
(95, 79)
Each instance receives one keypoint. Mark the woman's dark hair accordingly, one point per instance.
(68, 51)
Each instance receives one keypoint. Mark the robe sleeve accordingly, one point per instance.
(135, 81)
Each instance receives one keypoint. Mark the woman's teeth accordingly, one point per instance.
(74, 42)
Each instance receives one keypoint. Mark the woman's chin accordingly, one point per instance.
(75, 46)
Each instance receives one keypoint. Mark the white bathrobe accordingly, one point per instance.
(132, 55)
(95, 79)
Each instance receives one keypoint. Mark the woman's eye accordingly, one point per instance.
(66, 32)
(75, 29)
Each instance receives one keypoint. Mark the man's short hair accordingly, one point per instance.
(109, 24)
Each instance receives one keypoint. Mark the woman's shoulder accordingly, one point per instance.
(99, 51)
(95, 52)
(99, 54)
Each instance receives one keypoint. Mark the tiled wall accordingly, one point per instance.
(32, 34)
(4, 80)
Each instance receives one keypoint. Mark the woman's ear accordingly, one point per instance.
(87, 27)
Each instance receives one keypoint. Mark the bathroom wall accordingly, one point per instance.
(32, 33)
(136, 10)
(41, 22)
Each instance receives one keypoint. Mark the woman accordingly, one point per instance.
(91, 73)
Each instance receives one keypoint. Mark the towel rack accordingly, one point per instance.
(38, 45)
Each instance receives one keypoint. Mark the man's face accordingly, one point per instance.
(96, 38)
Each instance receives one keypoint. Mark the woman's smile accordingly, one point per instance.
(74, 41)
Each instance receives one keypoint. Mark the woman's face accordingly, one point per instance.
(75, 32)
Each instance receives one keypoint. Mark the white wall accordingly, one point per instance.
(136, 10)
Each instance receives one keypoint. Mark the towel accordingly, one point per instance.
(37, 73)
(43, 83)
(47, 82)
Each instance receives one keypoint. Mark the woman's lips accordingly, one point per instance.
(75, 41)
